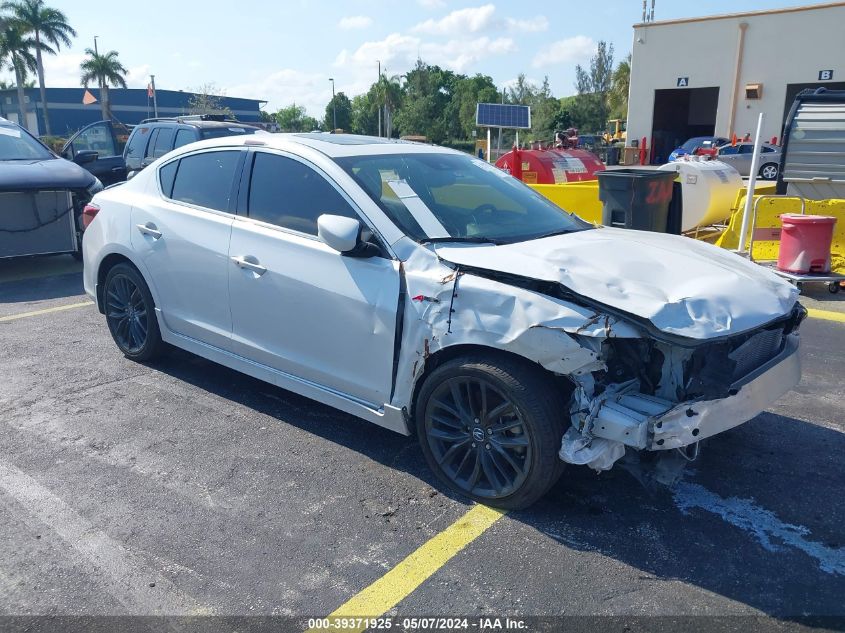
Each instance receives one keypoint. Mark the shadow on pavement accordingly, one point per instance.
(788, 472)
(39, 279)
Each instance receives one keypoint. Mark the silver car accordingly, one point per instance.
(432, 294)
(739, 157)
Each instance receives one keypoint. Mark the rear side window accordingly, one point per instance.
(206, 179)
(287, 193)
(163, 142)
(137, 144)
(183, 137)
(166, 176)
(151, 145)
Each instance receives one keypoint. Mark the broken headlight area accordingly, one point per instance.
(659, 395)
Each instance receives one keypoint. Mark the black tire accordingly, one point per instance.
(130, 314)
(769, 171)
(833, 287)
(520, 449)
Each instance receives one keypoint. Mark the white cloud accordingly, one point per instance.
(354, 22)
(62, 70)
(393, 48)
(460, 22)
(286, 86)
(531, 25)
(571, 50)
(431, 4)
(398, 52)
(458, 55)
(139, 76)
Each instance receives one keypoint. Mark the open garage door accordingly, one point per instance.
(680, 114)
(794, 89)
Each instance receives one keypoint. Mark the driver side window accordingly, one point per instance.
(290, 194)
(98, 138)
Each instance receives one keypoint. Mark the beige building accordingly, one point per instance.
(714, 75)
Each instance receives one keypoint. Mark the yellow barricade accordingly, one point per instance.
(767, 227)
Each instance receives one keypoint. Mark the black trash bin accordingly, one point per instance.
(636, 198)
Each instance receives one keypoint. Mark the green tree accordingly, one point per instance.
(16, 48)
(342, 107)
(106, 70)
(467, 94)
(47, 25)
(593, 85)
(364, 115)
(617, 99)
(388, 97)
(294, 119)
(207, 99)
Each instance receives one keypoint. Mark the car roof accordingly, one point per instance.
(200, 123)
(332, 145)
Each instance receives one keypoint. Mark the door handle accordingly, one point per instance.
(243, 262)
(149, 229)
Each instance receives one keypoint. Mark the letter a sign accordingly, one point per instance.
(683, 82)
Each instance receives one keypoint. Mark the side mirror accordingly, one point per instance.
(345, 236)
(85, 156)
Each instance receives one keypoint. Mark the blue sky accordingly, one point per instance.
(285, 52)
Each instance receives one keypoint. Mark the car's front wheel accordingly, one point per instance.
(130, 313)
(769, 171)
(490, 428)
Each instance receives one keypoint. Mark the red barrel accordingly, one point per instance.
(805, 243)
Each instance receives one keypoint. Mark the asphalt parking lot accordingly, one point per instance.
(184, 488)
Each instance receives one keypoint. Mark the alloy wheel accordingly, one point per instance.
(478, 437)
(126, 314)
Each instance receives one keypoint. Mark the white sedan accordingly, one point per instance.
(428, 292)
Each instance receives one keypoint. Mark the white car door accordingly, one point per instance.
(181, 232)
(299, 306)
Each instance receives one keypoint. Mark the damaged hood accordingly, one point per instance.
(682, 286)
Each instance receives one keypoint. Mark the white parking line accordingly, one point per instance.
(760, 523)
(128, 575)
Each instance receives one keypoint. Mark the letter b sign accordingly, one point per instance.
(825, 75)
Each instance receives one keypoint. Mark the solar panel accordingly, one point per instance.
(503, 115)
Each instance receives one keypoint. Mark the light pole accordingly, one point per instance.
(334, 107)
(378, 87)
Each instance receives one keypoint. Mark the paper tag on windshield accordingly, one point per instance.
(422, 214)
(9, 131)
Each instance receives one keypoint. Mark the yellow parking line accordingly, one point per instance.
(23, 315)
(386, 592)
(827, 315)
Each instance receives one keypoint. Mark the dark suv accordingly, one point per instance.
(153, 138)
(103, 148)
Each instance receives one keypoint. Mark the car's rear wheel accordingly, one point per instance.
(769, 171)
(490, 428)
(130, 313)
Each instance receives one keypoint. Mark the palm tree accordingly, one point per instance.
(104, 69)
(16, 53)
(48, 25)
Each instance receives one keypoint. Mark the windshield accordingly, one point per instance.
(16, 144)
(693, 143)
(453, 197)
(218, 132)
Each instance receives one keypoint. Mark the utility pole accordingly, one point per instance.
(155, 98)
(378, 87)
(334, 107)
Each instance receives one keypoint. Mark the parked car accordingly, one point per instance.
(98, 147)
(432, 294)
(103, 149)
(42, 196)
(739, 157)
(153, 138)
(697, 143)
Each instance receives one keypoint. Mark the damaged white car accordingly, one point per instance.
(428, 292)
